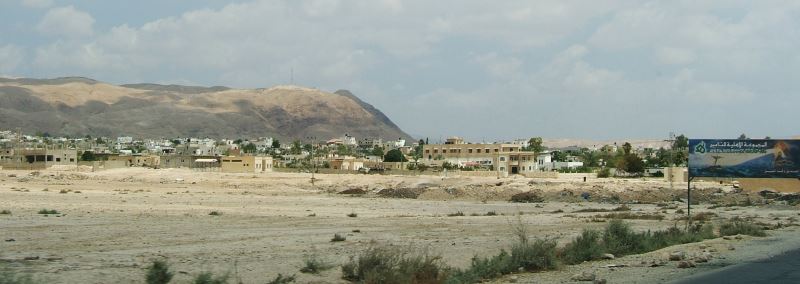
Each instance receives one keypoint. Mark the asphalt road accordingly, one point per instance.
(783, 268)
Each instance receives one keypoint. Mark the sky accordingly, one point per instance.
(483, 70)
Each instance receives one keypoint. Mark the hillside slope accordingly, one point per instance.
(79, 106)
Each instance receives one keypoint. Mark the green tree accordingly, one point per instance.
(344, 150)
(680, 142)
(250, 148)
(377, 151)
(559, 156)
(394, 155)
(276, 144)
(535, 144)
(743, 137)
(297, 147)
(87, 156)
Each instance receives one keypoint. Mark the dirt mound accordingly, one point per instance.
(353, 191)
(411, 193)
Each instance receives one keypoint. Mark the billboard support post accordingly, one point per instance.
(689, 202)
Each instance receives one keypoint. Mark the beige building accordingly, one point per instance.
(505, 159)
(346, 164)
(246, 164)
(35, 159)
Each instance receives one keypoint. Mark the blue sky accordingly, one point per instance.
(478, 69)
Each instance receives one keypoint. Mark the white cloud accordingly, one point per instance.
(675, 56)
(11, 57)
(37, 3)
(66, 22)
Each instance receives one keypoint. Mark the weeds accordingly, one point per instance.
(394, 266)
(338, 238)
(621, 208)
(632, 216)
(491, 213)
(48, 212)
(315, 265)
(208, 278)
(280, 279)
(700, 217)
(215, 213)
(737, 226)
(459, 213)
(158, 273)
(9, 277)
(585, 247)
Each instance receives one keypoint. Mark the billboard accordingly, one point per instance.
(750, 158)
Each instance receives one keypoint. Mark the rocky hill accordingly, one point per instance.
(79, 106)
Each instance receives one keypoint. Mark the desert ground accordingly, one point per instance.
(112, 224)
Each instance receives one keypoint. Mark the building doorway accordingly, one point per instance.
(514, 170)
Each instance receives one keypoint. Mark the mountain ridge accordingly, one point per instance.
(79, 106)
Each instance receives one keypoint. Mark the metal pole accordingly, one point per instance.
(689, 201)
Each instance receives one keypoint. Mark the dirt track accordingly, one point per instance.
(113, 223)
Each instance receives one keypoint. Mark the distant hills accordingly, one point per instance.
(80, 106)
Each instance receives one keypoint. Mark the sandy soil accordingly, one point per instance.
(114, 223)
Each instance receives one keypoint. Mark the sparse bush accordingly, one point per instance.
(215, 213)
(352, 215)
(338, 238)
(459, 213)
(280, 279)
(620, 239)
(700, 217)
(394, 266)
(48, 212)
(10, 277)
(315, 265)
(63, 191)
(5, 212)
(527, 197)
(208, 278)
(621, 208)
(491, 213)
(538, 255)
(585, 247)
(604, 173)
(738, 226)
(679, 211)
(158, 273)
(557, 211)
(628, 215)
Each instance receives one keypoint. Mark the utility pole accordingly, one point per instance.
(671, 168)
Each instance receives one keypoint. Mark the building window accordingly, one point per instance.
(496, 150)
(469, 151)
(502, 159)
(58, 159)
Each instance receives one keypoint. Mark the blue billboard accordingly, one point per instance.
(750, 158)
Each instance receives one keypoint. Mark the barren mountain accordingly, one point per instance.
(79, 106)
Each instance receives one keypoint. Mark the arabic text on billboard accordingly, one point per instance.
(758, 158)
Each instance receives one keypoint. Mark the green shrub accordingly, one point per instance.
(604, 173)
(394, 266)
(738, 226)
(628, 215)
(158, 273)
(459, 213)
(315, 265)
(491, 213)
(5, 212)
(352, 215)
(585, 247)
(208, 278)
(48, 212)
(338, 238)
(10, 277)
(215, 213)
(280, 279)
(620, 239)
(538, 255)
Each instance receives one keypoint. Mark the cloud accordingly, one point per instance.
(37, 3)
(66, 22)
(674, 56)
(11, 57)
